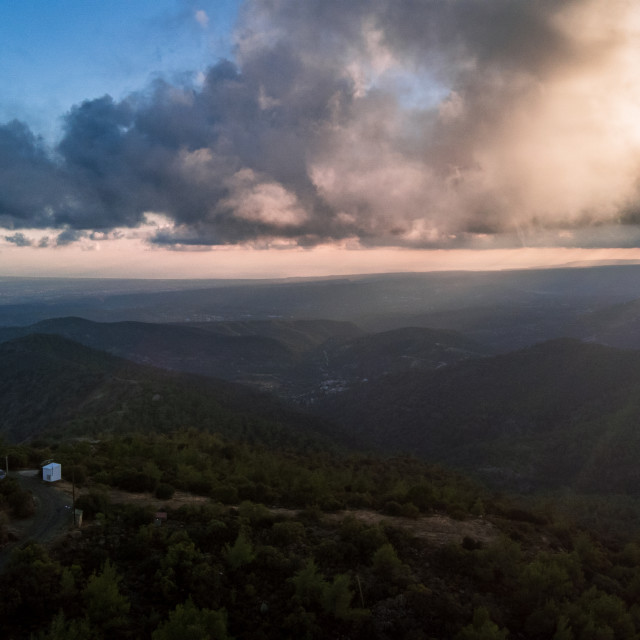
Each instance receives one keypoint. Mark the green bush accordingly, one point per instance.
(21, 503)
(93, 503)
(164, 491)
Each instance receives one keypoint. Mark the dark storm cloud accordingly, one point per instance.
(424, 123)
(68, 236)
(30, 182)
(19, 239)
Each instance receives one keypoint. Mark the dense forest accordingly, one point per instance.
(375, 480)
(286, 543)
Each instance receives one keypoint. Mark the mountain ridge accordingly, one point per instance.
(52, 384)
(548, 415)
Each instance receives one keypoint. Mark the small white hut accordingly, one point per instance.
(51, 472)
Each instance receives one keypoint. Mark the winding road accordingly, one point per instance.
(51, 518)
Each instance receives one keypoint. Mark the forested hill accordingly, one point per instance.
(49, 383)
(271, 534)
(289, 357)
(562, 413)
(230, 350)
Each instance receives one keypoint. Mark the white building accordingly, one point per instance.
(51, 472)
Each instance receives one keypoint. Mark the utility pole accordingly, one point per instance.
(73, 495)
(360, 590)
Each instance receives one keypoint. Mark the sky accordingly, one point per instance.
(266, 138)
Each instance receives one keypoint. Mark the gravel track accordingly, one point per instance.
(52, 515)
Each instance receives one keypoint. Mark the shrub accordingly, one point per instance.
(21, 503)
(92, 503)
(164, 491)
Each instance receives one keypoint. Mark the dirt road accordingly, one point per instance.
(52, 515)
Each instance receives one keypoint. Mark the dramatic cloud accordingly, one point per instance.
(417, 123)
(19, 239)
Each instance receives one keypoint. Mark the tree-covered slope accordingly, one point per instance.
(287, 356)
(560, 413)
(51, 383)
(233, 566)
(179, 347)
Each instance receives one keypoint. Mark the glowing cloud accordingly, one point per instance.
(435, 124)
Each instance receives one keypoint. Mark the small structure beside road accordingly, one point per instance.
(52, 472)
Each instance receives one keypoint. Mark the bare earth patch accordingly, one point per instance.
(438, 529)
(118, 496)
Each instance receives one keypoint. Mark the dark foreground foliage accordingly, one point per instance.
(266, 555)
